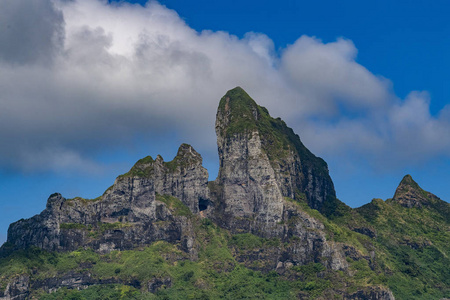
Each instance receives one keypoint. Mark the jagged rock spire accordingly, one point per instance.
(243, 125)
(410, 194)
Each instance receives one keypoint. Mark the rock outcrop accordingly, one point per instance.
(20, 288)
(372, 293)
(17, 289)
(253, 145)
(141, 207)
(410, 195)
(264, 170)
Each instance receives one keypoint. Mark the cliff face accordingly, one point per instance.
(252, 145)
(262, 161)
(184, 178)
(141, 207)
(263, 167)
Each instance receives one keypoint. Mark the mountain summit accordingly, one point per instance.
(410, 195)
(269, 226)
(246, 132)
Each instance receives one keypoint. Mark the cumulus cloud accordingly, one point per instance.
(30, 31)
(415, 131)
(328, 72)
(99, 75)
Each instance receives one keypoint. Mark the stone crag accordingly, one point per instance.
(410, 195)
(128, 213)
(266, 174)
(253, 145)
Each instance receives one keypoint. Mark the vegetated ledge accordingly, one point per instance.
(185, 157)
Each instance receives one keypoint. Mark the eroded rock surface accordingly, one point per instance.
(372, 293)
(251, 142)
(410, 194)
(141, 207)
(263, 165)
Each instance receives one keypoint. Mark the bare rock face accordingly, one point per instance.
(250, 192)
(250, 140)
(409, 194)
(263, 164)
(18, 289)
(184, 178)
(372, 293)
(128, 214)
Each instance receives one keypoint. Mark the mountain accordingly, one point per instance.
(248, 138)
(270, 226)
(413, 233)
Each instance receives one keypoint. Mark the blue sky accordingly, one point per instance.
(89, 87)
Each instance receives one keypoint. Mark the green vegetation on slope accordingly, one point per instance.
(217, 274)
(83, 200)
(414, 246)
(403, 248)
(142, 168)
(175, 205)
(410, 244)
(145, 167)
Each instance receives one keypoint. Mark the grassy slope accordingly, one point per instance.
(215, 275)
(413, 246)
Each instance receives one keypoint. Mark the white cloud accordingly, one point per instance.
(415, 131)
(121, 71)
(326, 73)
(262, 45)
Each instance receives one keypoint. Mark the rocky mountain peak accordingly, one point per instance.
(237, 113)
(142, 168)
(159, 159)
(187, 155)
(410, 194)
(237, 97)
(246, 132)
(54, 201)
(408, 180)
